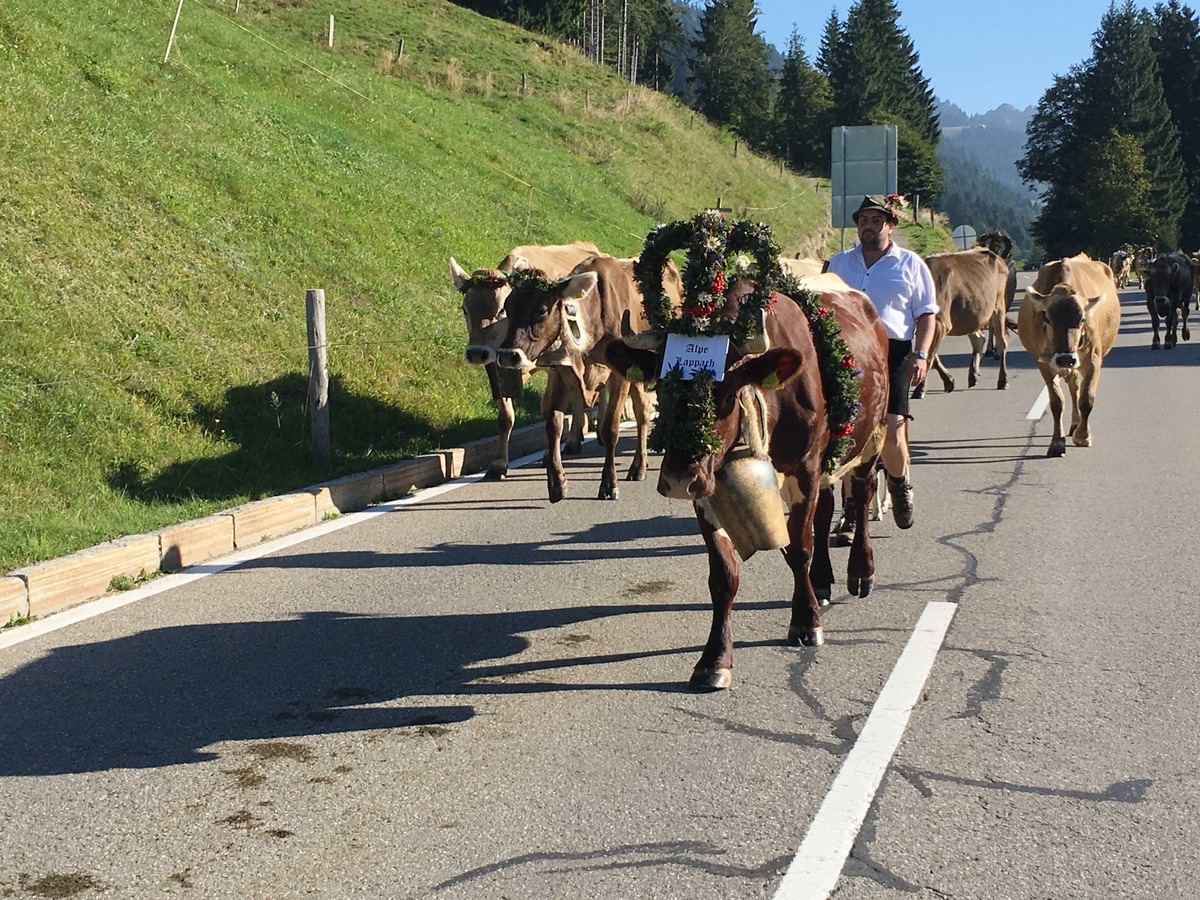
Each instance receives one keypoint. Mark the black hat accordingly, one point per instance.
(876, 203)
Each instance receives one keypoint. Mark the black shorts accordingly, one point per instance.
(898, 352)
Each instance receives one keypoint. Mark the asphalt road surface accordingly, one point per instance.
(479, 695)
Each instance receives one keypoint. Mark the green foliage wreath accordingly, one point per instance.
(840, 374)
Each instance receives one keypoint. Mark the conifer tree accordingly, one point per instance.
(802, 112)
(1118, 89)
(1122, 89)
(1176, 45)
(733, 85)
(874, 72)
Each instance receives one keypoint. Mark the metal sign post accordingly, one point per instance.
(862, 162)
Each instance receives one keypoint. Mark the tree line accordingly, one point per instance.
(1115, 138)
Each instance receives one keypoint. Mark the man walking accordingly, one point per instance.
(901, 287)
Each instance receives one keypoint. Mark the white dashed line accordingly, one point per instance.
(818, 863)
(1039, 405)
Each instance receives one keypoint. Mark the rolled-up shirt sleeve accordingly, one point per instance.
(924, 297)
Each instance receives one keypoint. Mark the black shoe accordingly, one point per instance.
(845, 529)
(901, 490)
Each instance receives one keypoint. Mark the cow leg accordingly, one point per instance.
(997, 328)
(1183, 311)
(1171, 326)
(947, 378)
(505, 419)
(618, 390)
(805, 626)
(714, 671)
(1081, 436)
(860, 568)
(572, 397)
(1058, 443)
(641, 414)
(1155, 343)
(977, 341)
(821, 570)
(552, 413)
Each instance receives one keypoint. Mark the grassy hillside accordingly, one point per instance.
(159, 224)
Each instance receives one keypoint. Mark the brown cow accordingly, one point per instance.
(1142, 258)
(788, 425)
(1122, 265)
(484, 292)
(801, 268)
(1068, 321)
(971, 294)
(566, 325)
(1168, 286)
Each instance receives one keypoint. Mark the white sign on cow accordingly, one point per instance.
(695, 354)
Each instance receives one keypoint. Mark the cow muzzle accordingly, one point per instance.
(513, 359)
(678, 488)
(1066, 361)
(1162, 306)
(479, 355)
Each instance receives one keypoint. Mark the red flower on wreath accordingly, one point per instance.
(824, 312)
(846, 430)
(719, 283)
(848, 362)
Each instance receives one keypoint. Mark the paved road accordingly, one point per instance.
(482, 696)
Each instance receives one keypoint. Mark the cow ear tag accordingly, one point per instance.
(574, 330)
(771, 382)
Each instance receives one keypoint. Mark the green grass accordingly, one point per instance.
(160, 223)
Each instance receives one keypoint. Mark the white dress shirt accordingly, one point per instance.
(898, 283)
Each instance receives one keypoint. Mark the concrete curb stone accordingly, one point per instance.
(55, 585)
(14, 597)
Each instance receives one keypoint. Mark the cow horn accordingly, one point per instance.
(758, 342)
(643, 340)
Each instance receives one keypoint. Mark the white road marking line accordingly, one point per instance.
(90, 608)
(817, 866)
(1039, 405)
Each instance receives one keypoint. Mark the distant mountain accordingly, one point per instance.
(995, 140)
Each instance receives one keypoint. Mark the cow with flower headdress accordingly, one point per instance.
(797, 403)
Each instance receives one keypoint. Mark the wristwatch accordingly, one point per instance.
(919, 354)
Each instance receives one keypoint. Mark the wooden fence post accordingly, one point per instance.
(400, 50)
(331, 31)
(524, 85)
(318, 373)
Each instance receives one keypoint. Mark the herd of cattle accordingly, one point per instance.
(576, 313)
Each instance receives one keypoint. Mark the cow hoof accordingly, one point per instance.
(971, 381)
(1002, 385)
(948, 384)
(1154, 345)
(842, 539)
(806, 637)
(824, 594)
(860, 587)
(608, 494)
(1057, 448)
(570, 449)
(918, 392)
(638, 474)
(711, 680)
(495, 473)
(1081, 442)
(557, 493)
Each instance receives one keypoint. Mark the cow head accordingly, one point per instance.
(740, 412)
(1168, 282)
(483, 295)
(546, 320)
(1064, 316)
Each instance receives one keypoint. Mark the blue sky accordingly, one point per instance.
(975, 54)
